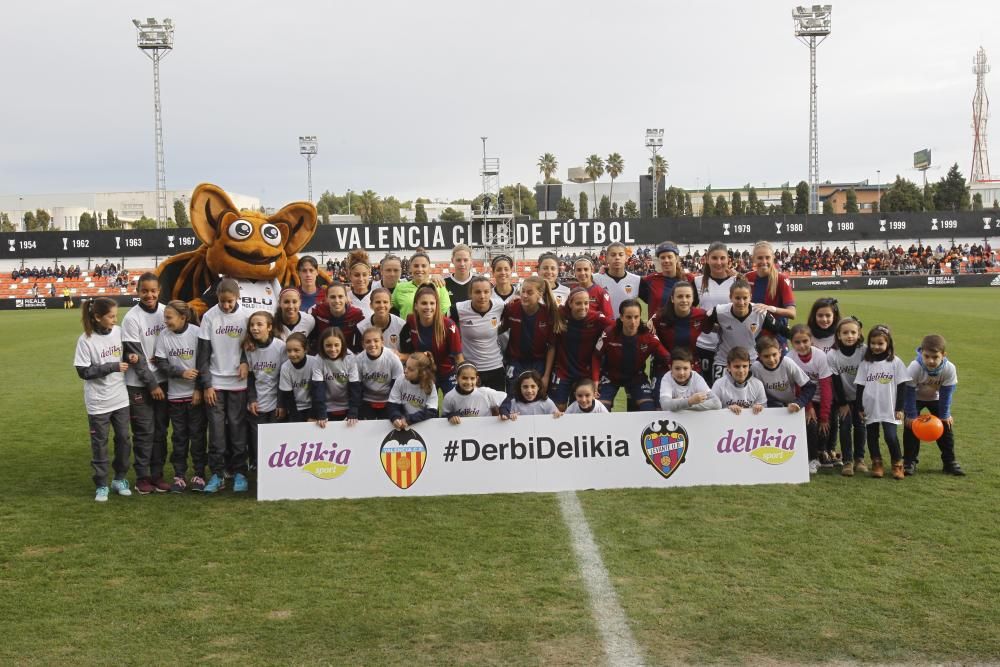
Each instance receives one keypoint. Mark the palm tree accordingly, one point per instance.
(662, 168)
(595, 169)
(547, 165)
(369, 208)
(616, 165)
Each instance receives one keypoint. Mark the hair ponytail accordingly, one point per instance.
(91, 309)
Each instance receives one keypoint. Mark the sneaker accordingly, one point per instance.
(848, 471)
(878, 470)
(813, 466)
(102, 494)
(160, 484)
(178, 486)
(897, 470)
(240, 484)
(120, 486)
(837, 459)
(215, 484)
(197, 484)
(860, 467)
(824, 460)
(910, 468)
(953, 468)
(144, 485)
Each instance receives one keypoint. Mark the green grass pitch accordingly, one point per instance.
(837, 570)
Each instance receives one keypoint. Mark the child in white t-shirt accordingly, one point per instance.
(585, 393)
(682, 389)
(99, 363)
(737, 389)
(880, 382)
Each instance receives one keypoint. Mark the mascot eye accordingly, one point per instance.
(240, 230)
(271, 234)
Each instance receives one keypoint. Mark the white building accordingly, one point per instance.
(65, 208)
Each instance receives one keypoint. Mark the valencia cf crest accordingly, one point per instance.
(753, 328)
(628, 289)
(493, 321)
(403, 456)
(665, 443)
(394, 339)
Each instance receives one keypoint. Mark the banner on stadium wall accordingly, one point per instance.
(797, 229)
(49, 302)
(532, 454)
(895, 282)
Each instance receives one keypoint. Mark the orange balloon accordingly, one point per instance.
(928, 428)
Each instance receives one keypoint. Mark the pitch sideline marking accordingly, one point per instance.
(619, 644)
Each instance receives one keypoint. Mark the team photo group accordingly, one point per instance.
(380, 340)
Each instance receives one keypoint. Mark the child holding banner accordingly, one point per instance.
(414, 397)
(468, 400)
(737, 389)
(528, 399)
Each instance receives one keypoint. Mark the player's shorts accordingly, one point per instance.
(637, 389)
(560, 389)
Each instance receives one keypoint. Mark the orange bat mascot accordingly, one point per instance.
(257, 251)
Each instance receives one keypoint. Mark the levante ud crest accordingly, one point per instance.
(665, 443)
(403, 456)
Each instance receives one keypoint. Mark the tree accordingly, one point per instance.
(390, 210)
(680, 196)
(522, 200)
(180, 214)
(565, 210)
(421, 213)
(721, 205)
(707, 203)
(977, 201)
(670, 202)
(144, 223)
(615, 166)
(87, 223)
(594, 169)
(614, 211)
(688, 208)
(996, 205)
(323, 211)
(604, 209)
(369, 207)
(802, 197)
(753, 203)
(112, 220)
(852, 202)
(952, 193)
(787, 203)
(451, 215)
(29, 222)
(902, 195)
(584, 211)
(737, 205)
(827, 206)
(875, 207)
(928, 197)
(631, 210)
(7, 226)
(547, 165)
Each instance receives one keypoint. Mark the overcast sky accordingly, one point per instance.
(399, 92)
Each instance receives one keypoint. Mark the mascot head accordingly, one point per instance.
(245, 243)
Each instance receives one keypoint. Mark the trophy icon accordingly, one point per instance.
(170, 241)
(881, 225)
(934, 226)
(829, 226)
(986, 224)
(65, 241)
(11, 243)
(118, 243)
(777, 228)
(725, 229)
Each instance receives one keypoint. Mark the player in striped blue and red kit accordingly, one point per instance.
(575, 345)
(678, 325)
(655, 288)
(533, 321)
(620, 358)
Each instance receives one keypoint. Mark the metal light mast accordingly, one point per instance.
(496, 215)
(654, 142)
(980, 112)
(812, 23)
(156, 40)
(309, 147)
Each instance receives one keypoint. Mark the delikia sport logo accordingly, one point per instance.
(665, 443)
(770, 448)
(315, 458)
(403, 455)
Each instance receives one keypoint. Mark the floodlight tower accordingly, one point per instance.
(496, 215)
(654, 142)
(156, 40)
(308, 146)
(980, 112)
(812, 23)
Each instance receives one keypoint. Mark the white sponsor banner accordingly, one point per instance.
(540, 453)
